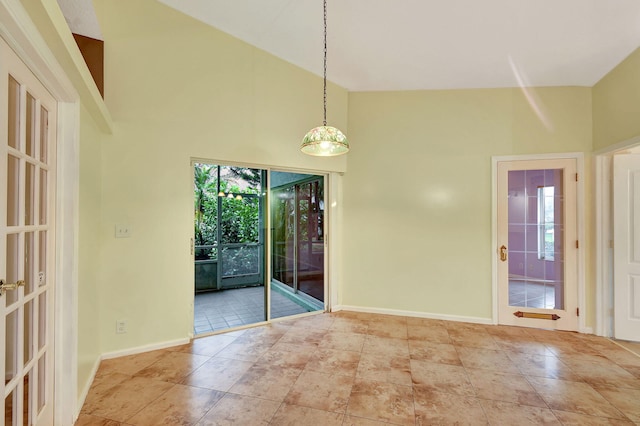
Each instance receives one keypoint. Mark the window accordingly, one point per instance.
(546, 222)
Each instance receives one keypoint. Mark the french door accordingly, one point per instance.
(537, 243)
(27, 182)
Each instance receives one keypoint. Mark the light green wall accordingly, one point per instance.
(616, 104)
(89, 248)
(178, 89)
(417, 196)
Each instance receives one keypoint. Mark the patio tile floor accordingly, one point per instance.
(220, 310)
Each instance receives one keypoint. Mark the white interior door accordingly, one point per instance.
(27, 182)
(537, 243)
(626, 246)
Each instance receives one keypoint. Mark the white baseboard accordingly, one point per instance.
(87, 387)
(145, 348)
(459, 318)
(586, 330)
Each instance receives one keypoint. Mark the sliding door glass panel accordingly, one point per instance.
(298, 245)
(229, 255)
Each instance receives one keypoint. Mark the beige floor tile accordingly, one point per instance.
(126, 399)
(393, 329)
(434, 352)
(382, 401)
(359, 421)
(506, 413)
(625, 400)
(102, 386)
(542, 366)
(240, 410)
(335, 361)
(130, 364)
(244, 350)
(621, 356)
(321, 322)
(180, 405)
(344, 341)
(266, 382)
(472, 338)
(372, 369)
(268, 334)
(605, 374)
(388, 346)
(486, 359)
(527, 346)
(350, 325)
(292, 415)
(632, 346)
(575, 397)
(504, 387)
(424, 322)
(208, 346)
(217, 374)
(382, 368)
(87, 420)
(327, 392)
(173, 366)
(575, 419)
(430, 333)
(288, 355)
(441, 378)
(437, 408)
(303, 336)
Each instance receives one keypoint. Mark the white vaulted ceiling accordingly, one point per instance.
(435, 44)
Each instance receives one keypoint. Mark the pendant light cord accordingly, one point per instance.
(325, 63)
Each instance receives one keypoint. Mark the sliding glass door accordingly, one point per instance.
(298, 237)
(232, 287)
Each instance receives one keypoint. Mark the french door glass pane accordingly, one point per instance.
(536, 262)
(13, 192)
(13, 125)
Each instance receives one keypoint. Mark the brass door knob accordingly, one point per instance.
(4, 287)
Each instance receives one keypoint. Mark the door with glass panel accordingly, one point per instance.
(27, 180)
(537, 243)
(298, 238)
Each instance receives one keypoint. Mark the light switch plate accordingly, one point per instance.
(123, 231)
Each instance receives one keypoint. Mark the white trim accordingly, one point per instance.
(398, 312)
(21, 34)
(620, 146)
(603, 223)
(581, 232)
(334, 197)
(87, 386)
(66, 292)
(145, 348)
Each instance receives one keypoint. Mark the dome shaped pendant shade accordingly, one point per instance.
(325, 141)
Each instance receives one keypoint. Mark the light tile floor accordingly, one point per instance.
(361, 369)
(220, 310)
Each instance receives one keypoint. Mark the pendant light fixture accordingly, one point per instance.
(325, 141)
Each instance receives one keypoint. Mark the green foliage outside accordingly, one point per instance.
(239, 222)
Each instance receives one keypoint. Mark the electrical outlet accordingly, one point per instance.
(121, 326)
(123, 231)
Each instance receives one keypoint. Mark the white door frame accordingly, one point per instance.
(17, 29)
(580, 209)
(604, 232)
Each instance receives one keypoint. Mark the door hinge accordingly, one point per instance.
(576, 177)
(577, 244)
(192, 246)
(577, 312)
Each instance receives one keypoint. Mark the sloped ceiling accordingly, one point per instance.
(427, 44)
